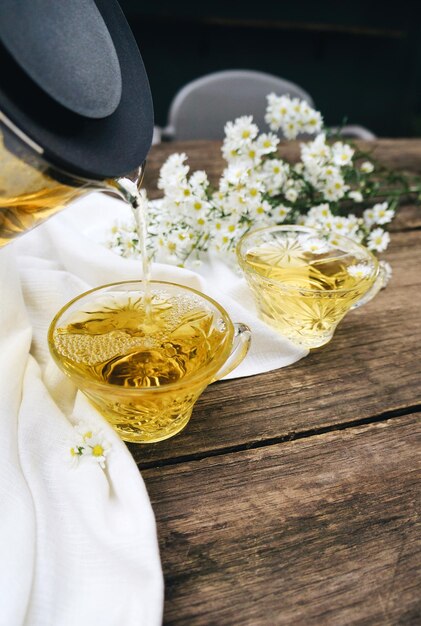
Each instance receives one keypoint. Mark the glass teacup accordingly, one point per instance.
(304, 281)
(144, 356)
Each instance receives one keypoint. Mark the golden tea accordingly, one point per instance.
(27, 196)
(304, 283)
(142, 358)
(115, 341)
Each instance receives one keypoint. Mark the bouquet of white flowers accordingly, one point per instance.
(257, 188)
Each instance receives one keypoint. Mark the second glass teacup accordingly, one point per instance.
(304, 281)
(143, 355)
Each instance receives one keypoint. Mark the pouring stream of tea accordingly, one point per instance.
(129, 191)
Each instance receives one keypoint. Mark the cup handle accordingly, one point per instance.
(378, 284)
(240, 347)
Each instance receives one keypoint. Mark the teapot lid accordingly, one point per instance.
(74, 82)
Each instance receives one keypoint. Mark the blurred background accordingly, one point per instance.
(360, 61)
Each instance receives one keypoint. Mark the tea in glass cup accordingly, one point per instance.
(143, 353)
(304, 281)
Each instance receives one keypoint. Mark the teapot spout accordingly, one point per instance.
(127, 187)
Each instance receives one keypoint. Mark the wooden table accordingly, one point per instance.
(293, 497)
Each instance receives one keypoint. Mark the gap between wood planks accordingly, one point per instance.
(375, 419)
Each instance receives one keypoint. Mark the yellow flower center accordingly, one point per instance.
(97, 450)
(245, 134)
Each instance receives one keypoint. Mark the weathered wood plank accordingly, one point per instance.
(399, 154)
(371, 366)
(408, 217)
(321, 531)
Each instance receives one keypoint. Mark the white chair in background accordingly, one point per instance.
(201, 108)
(355, 131)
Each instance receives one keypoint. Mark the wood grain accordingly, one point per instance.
(371, 367)
(398, 154)
(321, 531)
(259, 530)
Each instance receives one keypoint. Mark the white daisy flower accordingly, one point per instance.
(98, 448)
(241, 131)
(291, 194)
(382, 214)
(90, 444)
(280, 213)
(360, 270)
(378, 240)
(312, 121)
(340, 225)
(291, 128)
(277, 109)
(251, 153)
(317, 150)
(259, 211)
(173, 171)
(330, 172)
(230, 150)
(387, 272)
(198, 181)
(367, 167)
(342, 153)
(235, 174)
(267, 143)
(369, 218)
(357, 196)
(292, 116)
(312, 244)
(335, 189)
(320, 212)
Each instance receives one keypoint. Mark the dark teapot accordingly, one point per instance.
(76, 110)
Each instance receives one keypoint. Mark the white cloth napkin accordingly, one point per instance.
(78, 544)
